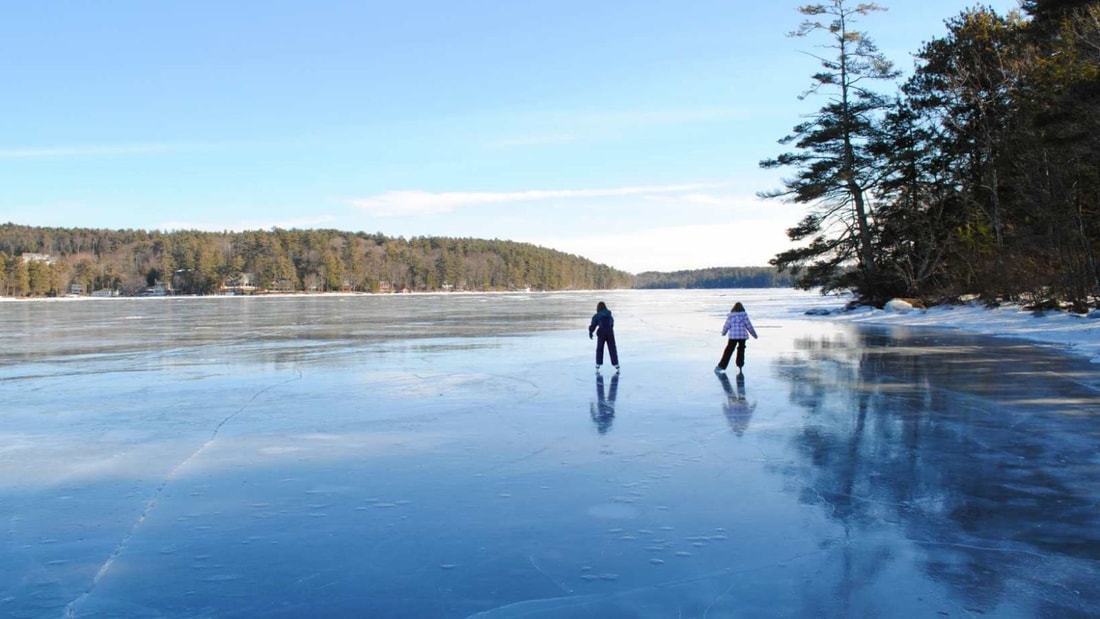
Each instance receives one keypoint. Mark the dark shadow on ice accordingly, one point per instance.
(603, 409)
(978, 450)
(738, 408)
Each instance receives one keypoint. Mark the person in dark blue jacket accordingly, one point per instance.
(604, 326)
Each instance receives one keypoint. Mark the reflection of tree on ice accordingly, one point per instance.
(738, 408)
(603, 409)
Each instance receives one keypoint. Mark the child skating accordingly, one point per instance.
(603, 324)
(738, 327)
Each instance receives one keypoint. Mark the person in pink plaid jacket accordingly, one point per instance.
(738, 327)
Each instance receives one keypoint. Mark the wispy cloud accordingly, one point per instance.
(105, 150)
(415, 202)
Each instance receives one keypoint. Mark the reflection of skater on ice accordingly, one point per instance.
(739, 328)
(604, 326)
(603, 409)
(737, 408)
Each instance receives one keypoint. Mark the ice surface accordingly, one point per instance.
(456, 455)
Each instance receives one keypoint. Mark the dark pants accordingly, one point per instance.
(609, 340)
(728, 352)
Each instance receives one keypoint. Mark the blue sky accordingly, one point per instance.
(626, 132)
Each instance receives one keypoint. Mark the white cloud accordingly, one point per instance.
(748, 242)
(415, 202)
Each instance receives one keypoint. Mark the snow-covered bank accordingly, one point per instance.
(1077, 333)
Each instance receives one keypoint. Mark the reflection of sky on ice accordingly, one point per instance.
(456, 456)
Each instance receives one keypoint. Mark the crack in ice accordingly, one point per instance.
(150, 504)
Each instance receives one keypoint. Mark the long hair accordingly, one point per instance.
(601, 306)
(737, 307)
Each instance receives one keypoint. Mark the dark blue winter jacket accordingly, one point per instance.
(604, 321)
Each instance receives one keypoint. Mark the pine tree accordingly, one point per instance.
(834, 171)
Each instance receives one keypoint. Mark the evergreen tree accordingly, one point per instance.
(834, 170)
(966, 86)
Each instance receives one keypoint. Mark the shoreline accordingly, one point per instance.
(1078, 334)
(299, 295)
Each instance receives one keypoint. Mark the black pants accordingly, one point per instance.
(609, 340)
(728, 352)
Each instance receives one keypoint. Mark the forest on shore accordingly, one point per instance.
(40, 261)
(978, 174)
(717, 277)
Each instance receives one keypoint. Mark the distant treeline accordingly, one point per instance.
(36, 261)
(724, 277)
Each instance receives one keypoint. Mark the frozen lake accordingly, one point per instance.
(457, 456)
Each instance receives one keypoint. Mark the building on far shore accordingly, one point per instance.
(159, 289)
(33, 257)
(242, 283)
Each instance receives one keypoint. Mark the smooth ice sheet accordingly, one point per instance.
(457, 455)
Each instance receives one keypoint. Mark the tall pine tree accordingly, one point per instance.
(834, 170)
